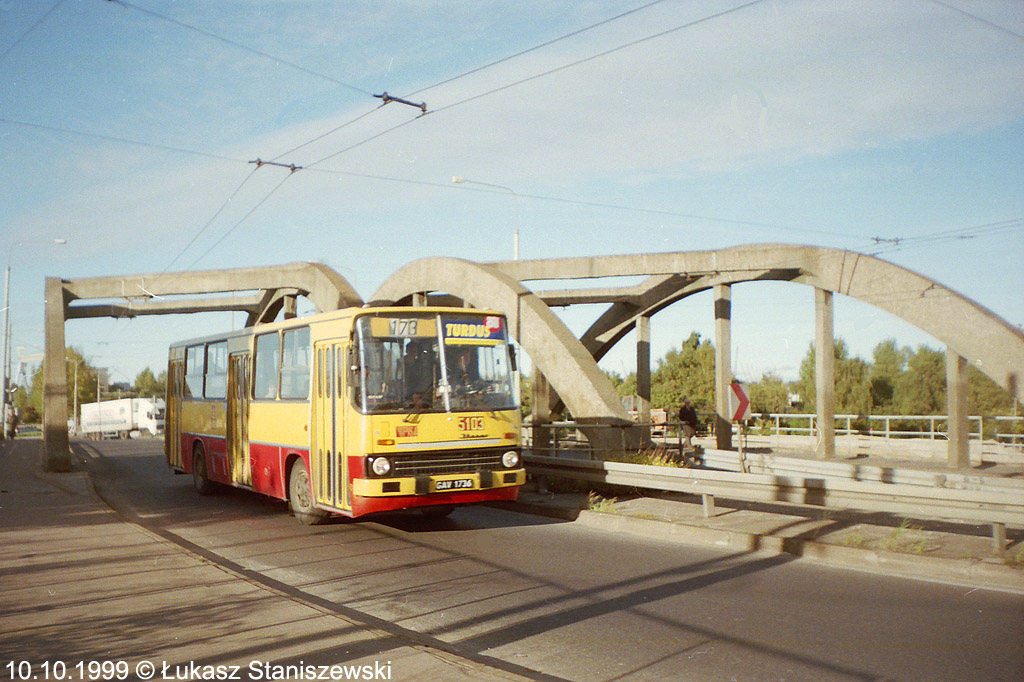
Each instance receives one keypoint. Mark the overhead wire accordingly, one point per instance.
(242, 46)
(407, 122)
(457, 77)
(956, 234)
(599, 55)
(380, 134)
(543, 74)
(328, 133)
(240, 221)
(31, 29)
(580, 202)
(123, 140)
(209, 222)
(978, 19)
(564, 67)
(537, 47)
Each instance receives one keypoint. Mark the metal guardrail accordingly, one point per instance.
(912, 500)
(673, 432)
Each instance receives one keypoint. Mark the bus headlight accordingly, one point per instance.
(380, 466)
(510, 459)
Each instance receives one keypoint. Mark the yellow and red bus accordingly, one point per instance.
(351, 412)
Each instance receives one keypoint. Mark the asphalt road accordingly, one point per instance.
(579, 604)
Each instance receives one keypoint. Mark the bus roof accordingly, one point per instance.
(329, 316)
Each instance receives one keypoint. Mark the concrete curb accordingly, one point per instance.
(975, 574)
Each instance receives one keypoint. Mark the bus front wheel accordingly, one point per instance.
(300, 496)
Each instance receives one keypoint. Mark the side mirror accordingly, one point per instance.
(354, 375)
(512, 357)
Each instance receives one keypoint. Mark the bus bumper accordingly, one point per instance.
(428, 485)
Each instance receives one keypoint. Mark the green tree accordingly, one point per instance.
(852, 387)
(889, 364)
(77, 372)
(921, 389)
(986, 397)
(525, 394)
(687, 372)
(623, 386)
(770, 394)
(149, 386)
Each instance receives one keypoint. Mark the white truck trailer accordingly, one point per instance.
(119, 418)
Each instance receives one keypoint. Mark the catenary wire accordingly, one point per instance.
(975, 17)
(467, 73)
(241, 46)
(122, 140)
(580, 202)
(599, 55)
(210, 221)
(240, 221)
(537, 76)
(31, 29)
(537, 47)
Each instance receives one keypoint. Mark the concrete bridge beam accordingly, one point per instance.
(279, 287)
(571, 371)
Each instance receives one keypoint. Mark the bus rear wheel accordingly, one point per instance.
(202, 482)
(300, 496)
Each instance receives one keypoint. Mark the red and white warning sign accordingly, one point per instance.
(739, 403)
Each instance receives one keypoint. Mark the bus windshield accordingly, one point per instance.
(446, 362)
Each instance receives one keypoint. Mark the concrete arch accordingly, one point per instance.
(570, 369)
(969, 329)
(277, 287)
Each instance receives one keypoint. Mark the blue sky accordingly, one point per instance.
(126, 128)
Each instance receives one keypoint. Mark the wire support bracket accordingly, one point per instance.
(290, 166)
(422, 106)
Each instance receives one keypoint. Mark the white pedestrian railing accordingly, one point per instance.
(1007, 429)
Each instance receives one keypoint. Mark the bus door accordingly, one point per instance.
(238, 419)
(329, 466)
(172, 415)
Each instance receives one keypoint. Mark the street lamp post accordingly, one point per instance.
(5, 384)
(458, 179)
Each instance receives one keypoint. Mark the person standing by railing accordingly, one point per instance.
(688, 417)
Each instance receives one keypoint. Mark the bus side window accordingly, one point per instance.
(194, 372)
(217, 370)
(295, 364)
(266, 362)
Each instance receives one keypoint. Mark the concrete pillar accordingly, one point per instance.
(290, 308)
(958, 456)
(541, 416)
(723, 365)
(56, 455)
(825, 374)
(643, 373)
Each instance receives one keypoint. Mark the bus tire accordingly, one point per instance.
(300, 496)
(200, 478)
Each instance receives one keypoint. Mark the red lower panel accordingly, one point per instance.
(266, 463)
(216, 455)
(268, 467)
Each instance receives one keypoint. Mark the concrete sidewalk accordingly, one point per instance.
(86, 595)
